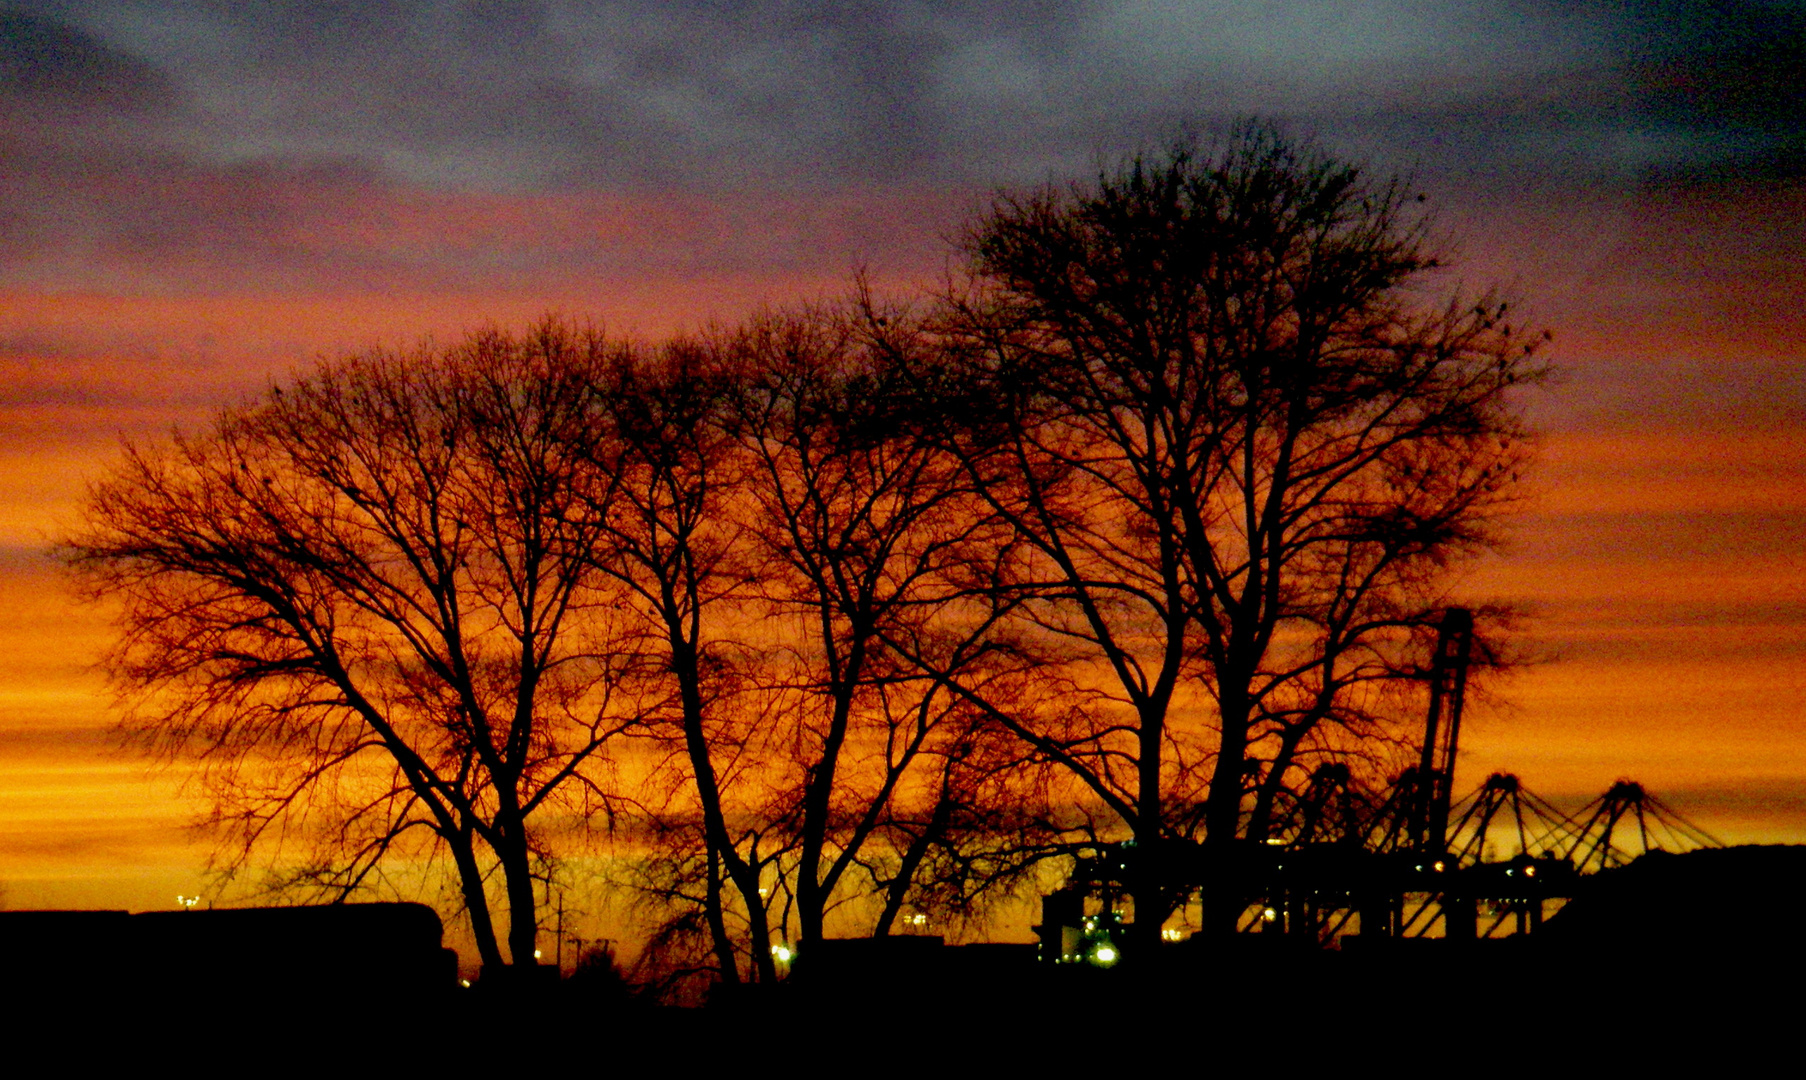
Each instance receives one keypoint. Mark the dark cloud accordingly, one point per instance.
(575, 94)
(1723, 65)
(41, 57)
(817, 93)
(1725, 80)
(194, 133)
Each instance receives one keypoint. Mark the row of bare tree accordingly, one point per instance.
(865, 604)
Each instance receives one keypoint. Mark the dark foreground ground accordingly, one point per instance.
(1689, 964)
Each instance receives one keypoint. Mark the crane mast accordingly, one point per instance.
(1442, 732)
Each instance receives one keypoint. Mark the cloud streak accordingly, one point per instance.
(812, 94)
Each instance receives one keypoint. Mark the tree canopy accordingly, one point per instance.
(366, 605)
(1248, 444)
(1148, 514)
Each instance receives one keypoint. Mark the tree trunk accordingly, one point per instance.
(717, 920)
(517, 878)
(1260, 819)
(1222, 898)
(898, 889)
(476, 901)
(1147, 889)
(812, 892)
(715, 835)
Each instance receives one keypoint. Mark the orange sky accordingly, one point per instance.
(1659, 556)
(191, 208)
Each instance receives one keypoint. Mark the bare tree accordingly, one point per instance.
(985, 815)
(364, 606)
(878, 553)
(1248, 445)
(671, 532)
(794, 540)
(1148, 519)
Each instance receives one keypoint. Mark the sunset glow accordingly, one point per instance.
(187, 218)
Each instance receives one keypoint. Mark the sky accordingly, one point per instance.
(197, 198)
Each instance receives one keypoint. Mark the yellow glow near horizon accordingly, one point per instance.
(1661, 570)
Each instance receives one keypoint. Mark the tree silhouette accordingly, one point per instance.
(872, 537)
(776, 511)
(1245, 449)
(1121, 538)
(364, 606)
(674, 537)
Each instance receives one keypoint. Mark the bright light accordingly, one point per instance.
(1268, 915)
(1171, 935)
(1439, 867)
(781, 953)
(1105, 955)
(465, 983)
(1276, 841)
(537, 955)
(1529, 871)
